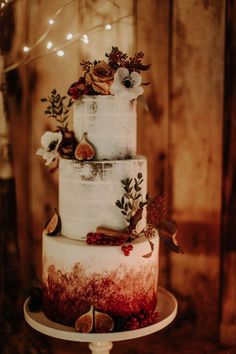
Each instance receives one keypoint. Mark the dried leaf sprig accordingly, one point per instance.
(132, 199)
(58, 108)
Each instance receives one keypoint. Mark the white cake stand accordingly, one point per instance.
(101, 343)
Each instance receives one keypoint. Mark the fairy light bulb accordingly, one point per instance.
(85, 38)
(51, 21)
(49, 45)
(26, 49)
(108, 27)
(60, 53)
(69, 36)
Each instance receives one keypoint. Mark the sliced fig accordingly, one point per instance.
(103, 322)
(84, 150)
(53, 226)
(84, 324)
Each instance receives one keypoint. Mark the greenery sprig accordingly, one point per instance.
(58, 108)
(132, 198)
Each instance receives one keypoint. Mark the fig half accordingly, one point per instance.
(53, 226)
(84, 151)
(103, 322)
(84, 324)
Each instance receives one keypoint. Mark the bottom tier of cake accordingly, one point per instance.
(101, 284)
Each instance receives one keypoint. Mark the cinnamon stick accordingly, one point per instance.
(112, 233)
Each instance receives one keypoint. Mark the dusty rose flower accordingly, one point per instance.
(100, 78)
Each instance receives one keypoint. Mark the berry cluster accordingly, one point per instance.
(126, 249)
(142, 320)
(95, 238)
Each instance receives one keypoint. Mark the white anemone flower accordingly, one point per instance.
(126, 85)
(50, 142)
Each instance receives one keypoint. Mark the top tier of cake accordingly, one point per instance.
(110, 123)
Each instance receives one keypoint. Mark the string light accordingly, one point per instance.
(85, 39)
(69, 36)
(26, 49)
(60, 53)
(49, 45)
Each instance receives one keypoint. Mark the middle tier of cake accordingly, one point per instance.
(88, 192)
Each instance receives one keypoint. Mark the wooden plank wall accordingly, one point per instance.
(195, 143)
(181, 135)
(228, 292)
(19, 120)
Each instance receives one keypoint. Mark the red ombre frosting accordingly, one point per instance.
(77, 275)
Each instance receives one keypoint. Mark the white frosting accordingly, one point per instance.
(64, 253)
(111, 124)
(88, 191)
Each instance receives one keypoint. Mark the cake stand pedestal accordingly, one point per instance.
(101, 343)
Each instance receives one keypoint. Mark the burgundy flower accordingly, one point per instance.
(77, 89)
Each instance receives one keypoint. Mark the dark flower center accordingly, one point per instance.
(127, 82)
(52, 145)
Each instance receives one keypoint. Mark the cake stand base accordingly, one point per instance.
(101, 343)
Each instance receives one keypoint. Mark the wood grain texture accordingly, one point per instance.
(196, 121)
(19, 123)
(228, 313)
(152, 19)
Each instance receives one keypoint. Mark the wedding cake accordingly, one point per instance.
(100, 249)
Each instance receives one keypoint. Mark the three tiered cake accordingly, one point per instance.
(100, 251)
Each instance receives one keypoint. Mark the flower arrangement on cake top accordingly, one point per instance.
(118, 75)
